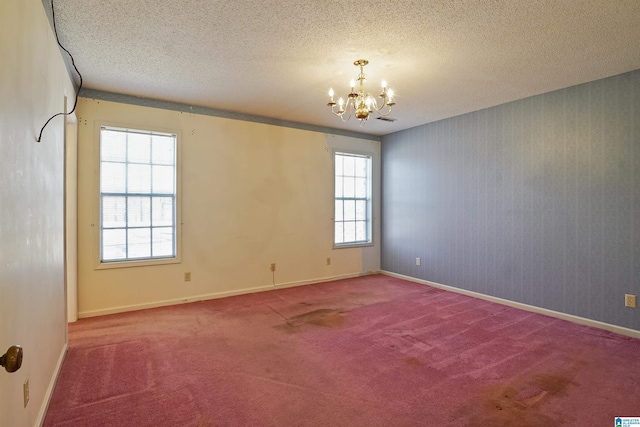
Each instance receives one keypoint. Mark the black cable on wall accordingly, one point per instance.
(55, 31)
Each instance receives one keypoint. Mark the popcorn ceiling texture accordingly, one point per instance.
(279, 58)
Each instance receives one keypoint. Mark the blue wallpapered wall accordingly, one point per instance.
(535, 201)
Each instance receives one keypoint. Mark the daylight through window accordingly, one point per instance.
(137, 195)
(352, 221)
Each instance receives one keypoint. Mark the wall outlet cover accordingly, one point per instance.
(630, 301)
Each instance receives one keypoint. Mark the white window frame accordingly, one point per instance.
(97, 213)
(369, 199)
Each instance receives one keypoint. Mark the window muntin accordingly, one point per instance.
(138, 182)
(352, 218)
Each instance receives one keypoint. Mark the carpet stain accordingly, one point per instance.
(413, 361)
(530, 394)
(520, 403)
(204, 421)
(323, 317)
(360, 294)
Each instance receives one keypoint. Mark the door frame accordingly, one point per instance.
(71, 216)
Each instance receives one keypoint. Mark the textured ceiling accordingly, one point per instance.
(278, 58)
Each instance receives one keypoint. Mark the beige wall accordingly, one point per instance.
(33, 85)
(252, 194)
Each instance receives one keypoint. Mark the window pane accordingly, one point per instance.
(162, 179)
(139, 242)
(162, 211)
(361, 210)
(139, 178)
(362, 164)
(163, 242)
(349, 210)
(339, 185)
(349, 231)
(139, 211)
(163, 150)
(114, 211)
(139, 148)
(349, 187)
(114, 244)
(349, 166)
(361, 231)
(339, 229)
(113, 177)
(113, 146)
(361, 187)
(338, 213)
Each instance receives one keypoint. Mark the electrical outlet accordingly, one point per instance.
(187, 276)
(418, 261)
(329, 261)
(273, 266)
(630, 300)
(25, 391)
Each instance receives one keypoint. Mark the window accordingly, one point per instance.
(352, 221)
(137, 195)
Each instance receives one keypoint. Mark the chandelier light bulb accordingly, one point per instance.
(331, 92)
(368, 101)
(384, 84)
(353, 84)
(390, 101)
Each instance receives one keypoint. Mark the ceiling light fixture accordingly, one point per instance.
(360, 102)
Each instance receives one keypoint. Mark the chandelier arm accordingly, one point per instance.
(387, 113)
(348, 117)
(349, 108)
(384, 104)
(341, 114)
(381, 109)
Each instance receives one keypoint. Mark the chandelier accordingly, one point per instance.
(359, 102)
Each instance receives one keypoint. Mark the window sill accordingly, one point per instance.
(141, 263)
(351, 245)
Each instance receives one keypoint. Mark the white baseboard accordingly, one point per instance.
(557, 314)
(52, 385)
(214, 295)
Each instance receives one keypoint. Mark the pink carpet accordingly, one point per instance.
(370, 351)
